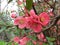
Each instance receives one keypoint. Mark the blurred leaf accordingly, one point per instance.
(16, 31)
(37, 44)
(1, 22)
(50, 39)
(50, 2)
(29, 4)
(45, 44)
(9, 43)
(2, 29)
(2, 43)
(14, 43)
(33, 37)
(29, 43)
(50, 43)
(23, 32)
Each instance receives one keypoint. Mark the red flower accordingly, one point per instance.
(40, 43)
(40, 36)
(44, 18)
(21, 22)
(16, 39)
(32, 22)
(34, 25)
(24, 40)
(34, 42)
(13, 15)
(33, 15)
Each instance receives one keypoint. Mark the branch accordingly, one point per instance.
(34, 9)
(53, 22)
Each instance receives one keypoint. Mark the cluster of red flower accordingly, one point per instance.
(33, 22)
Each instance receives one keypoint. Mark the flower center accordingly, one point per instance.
(21, 21)
(35, 24)
(42, 19)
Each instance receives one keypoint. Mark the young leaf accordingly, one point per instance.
(33, 37)
(29, 4)
(50, 39)
(29, 43)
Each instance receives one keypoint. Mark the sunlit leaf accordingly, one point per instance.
(2, 43)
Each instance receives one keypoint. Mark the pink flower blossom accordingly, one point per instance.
(13, 14)
(51, 14)
(24, 40)
(33, 15)
(35, 26)
(16, 39)
(40, 36)
(44, 18)
(44, 40)
(40, 43)
(21, 22)
(58, 22)
(32, 22)
(34, 42)
(19, 2)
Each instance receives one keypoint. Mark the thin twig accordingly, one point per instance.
(53, 22)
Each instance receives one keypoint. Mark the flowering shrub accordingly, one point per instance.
(33, 21)
(37, 24)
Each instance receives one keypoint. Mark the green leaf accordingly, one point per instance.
(10, 43)
(50, 2)
(45, 44)
(2, 43)
(50, 39)
(29, 4)
(1, 22)
(16, 31)
(37, 44)
(29, 43)
(50, 43)
(33, 37)
(15, 44)
(2, 29)
(23, 32)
